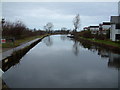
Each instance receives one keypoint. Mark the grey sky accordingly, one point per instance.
(61, 14)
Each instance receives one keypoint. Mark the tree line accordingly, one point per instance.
(19, 30)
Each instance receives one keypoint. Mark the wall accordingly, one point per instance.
(94, 29)
(119, 8)
(113, 32)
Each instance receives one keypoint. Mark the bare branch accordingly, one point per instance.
(76, 22)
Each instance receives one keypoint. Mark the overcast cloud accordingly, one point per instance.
(61, 14)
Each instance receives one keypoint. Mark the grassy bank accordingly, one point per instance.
(103, 42)
(107, 42)
(20, 41)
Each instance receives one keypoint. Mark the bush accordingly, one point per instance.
(18, 30)
(100, 36)
(86, 34)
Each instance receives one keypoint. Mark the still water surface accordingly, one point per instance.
(59, 62)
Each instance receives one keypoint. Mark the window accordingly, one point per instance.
(117, 26)
(117, 36)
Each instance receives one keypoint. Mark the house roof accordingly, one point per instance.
(106, 23)
(115, 19)
(85, 27)
(93, 26)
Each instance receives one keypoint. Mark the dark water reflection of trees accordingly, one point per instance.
(48, 41)
(63, 37)
(75, 48)
(113, 58)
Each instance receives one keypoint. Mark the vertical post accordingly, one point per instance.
(3, 21)
(13, 41)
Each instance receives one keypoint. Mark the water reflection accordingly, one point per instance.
(113, 58)
(103, 53)
(48, 41)
(76, 47)
(66, 64)
(64, 37)
(89, 46)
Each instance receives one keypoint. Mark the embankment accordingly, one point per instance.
(115, 49)
(15, 57)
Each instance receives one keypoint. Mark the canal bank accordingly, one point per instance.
(13, 56)
(114, 48)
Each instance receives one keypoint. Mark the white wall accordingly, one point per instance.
(113, 32)
(119, 8)
(94, 29)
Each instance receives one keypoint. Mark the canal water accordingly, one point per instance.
(60, 62)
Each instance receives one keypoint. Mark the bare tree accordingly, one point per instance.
(14, 29)
(45, 28)
(64, 28)
(48, 27)
(76, 22)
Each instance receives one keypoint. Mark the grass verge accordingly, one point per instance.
(106, 42)
(20, 41)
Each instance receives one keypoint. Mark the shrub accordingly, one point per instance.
(86, 34)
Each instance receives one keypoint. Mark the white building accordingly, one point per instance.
(119, 8)
(115, 28)
(105, 27)
(94, 29)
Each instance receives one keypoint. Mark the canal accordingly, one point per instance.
(60, 62)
